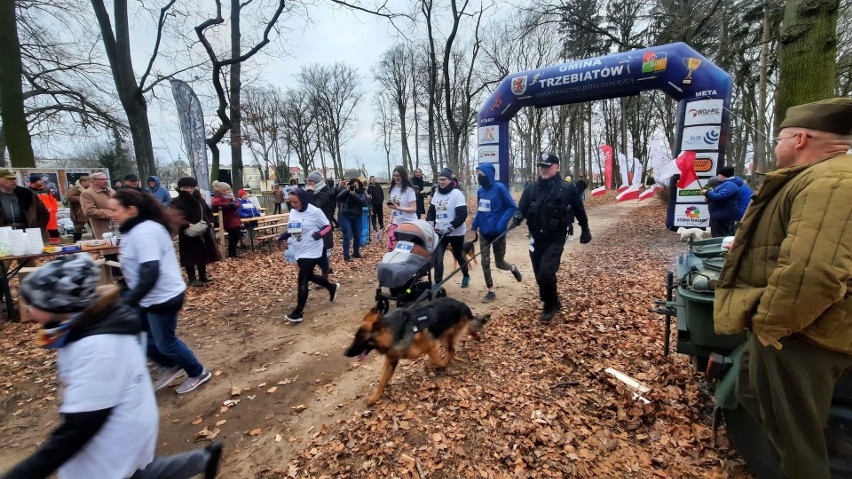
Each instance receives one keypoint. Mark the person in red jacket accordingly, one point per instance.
(225, 202)
(46, 196)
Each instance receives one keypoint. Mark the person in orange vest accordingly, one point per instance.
(46, 196)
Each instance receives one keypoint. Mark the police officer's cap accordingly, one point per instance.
(548, 159)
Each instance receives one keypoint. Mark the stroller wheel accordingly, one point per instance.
(382, 305)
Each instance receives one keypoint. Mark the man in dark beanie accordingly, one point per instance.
(549, 205)
(109, 412)
(786, 281)
(131, 181)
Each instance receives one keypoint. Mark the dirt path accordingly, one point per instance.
(329, 386)
(295, 383)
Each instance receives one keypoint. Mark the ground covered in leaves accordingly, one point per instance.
(526, 401)
(534, 401)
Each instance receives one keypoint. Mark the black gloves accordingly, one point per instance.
(316, 235)
(516, 220)
(585, 236)
(284, 236)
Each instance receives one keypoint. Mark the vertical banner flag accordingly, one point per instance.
(660, 162)
(638, 171)
(607, 151)
(191, 120)
(622, 167)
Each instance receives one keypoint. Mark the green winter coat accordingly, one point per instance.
(790, 268)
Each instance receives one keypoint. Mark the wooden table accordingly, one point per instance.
(263, 222)
(7, 273)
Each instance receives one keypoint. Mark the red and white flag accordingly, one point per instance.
(599, 191)
(631, 193)
(649, 193)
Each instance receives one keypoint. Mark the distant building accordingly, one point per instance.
(355, 173)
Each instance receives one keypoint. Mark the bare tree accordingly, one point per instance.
(262, 113)
(385, 124)
(15, 132)
(334, 90)
(130, 91)
(219, 67)
(393, 72)
(300, 127)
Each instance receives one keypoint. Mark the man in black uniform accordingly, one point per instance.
(548, 205)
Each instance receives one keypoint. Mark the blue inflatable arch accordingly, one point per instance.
(702, 89)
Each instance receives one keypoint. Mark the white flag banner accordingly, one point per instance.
(660, 160)
(638, 171)
(622, 167)
(191, 120)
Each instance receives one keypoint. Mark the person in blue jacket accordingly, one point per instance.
(495, 208)
(744, 194)
(722, 203)
(158, 191)
(247, 208)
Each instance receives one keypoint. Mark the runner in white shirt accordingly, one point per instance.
(151, 268)
(305, 229)
(402, 201)
(448, 211)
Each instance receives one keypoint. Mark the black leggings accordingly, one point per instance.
(277, 209)
(306, 274)
(455, 242)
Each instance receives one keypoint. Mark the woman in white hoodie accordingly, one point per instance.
(305, 230)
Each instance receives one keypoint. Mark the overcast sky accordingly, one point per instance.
(335, 35)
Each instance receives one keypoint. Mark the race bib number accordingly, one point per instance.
(294, 228)
(442, 218)
(397, 213)
(404, 246)
(484, 206)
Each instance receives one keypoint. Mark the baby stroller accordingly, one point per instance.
(406, 272)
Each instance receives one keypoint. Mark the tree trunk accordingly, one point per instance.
(15, 130)
(403, 135)
(117, 47)
(234, 106)
(2, 147)
(760, 115)
(808, 46)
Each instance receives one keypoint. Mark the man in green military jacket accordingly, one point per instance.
(788, 280)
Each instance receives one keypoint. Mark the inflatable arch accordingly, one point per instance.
(702, 89)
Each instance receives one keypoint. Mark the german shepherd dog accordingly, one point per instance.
(435, 329)
(468, 252)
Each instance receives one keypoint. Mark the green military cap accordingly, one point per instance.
(8, 174)
(833, 115)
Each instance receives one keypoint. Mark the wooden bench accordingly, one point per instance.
(267, 228)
